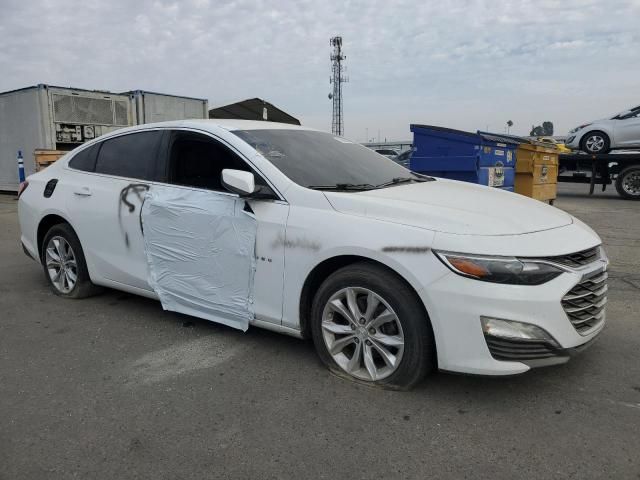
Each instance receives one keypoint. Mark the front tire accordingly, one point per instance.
(369, 326)
(64, 264)
(628, 183)
(595, 142)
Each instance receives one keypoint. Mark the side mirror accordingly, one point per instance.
(238, 181)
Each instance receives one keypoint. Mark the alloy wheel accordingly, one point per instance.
(362, 333)
(61, 264)
(594, 143)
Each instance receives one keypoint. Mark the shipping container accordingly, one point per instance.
(151, 107)
(53, 118)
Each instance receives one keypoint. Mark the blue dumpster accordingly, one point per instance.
(471, 157)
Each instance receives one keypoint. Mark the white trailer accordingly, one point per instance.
(53, 118)
(59, 119)
(150, 107)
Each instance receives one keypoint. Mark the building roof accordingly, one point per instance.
(253, 109)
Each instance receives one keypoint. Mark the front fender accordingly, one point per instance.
(314, 236)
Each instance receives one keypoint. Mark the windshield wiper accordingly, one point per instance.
(395, 181)
(398, 180)
(344, 186)
(418, 177)
(423, 177)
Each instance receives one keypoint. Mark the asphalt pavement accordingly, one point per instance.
(113, 387)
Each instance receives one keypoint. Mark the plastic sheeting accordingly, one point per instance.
(200, 249)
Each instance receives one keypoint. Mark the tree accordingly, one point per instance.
(546, 130)
(509, 125)
(536, 131)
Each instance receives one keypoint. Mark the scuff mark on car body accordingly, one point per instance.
(408, 249)
(139, 189)
(303, 243)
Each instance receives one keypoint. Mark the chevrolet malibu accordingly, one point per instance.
(390, 272)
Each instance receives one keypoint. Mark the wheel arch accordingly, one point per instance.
(45, 225)
(328, 266)
(619, 167)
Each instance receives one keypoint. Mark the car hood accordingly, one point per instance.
(590, 123)
(452, 207)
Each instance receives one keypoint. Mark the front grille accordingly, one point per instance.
(518, 350)
(578, 259)
(585, 303)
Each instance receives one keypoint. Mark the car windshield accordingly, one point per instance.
(318, 160)
(627, 113)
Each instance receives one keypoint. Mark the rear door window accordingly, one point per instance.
(133, 155)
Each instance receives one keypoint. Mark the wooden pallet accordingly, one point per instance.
(44, 158)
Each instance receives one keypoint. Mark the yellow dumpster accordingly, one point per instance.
(537, 171)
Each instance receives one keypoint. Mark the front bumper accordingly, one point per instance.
(573, 141)
(27, 252)
(455, 305)
(532, 353)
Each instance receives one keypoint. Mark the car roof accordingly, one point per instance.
(211, 125)
(227, 124)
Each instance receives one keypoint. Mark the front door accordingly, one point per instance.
(627, 130)
(212, 254)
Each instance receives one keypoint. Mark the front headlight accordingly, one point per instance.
(506, 270)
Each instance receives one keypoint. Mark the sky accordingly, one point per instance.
(460, 64)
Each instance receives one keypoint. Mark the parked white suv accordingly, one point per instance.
(622, 131)
(390, 272)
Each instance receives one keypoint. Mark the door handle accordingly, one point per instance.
(83, 192)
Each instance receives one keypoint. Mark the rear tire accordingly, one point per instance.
(64, 264)
(388, 342)
(595, 142)
(628, 183)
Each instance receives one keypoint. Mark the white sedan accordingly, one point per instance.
(392, 273)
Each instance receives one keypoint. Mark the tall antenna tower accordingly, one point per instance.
(337, 79)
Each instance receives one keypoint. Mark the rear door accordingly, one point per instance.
(105, 204)
(211, 253)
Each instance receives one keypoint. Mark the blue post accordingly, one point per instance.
(21, 176)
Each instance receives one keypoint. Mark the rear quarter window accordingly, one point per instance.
(85, 160)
